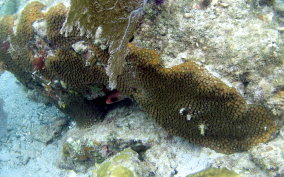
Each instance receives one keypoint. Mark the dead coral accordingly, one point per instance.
(115, 19)
(190, 103)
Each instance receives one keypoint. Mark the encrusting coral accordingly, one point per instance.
(185, 99)
(190, 103)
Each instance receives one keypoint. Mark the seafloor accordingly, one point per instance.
(39, 140)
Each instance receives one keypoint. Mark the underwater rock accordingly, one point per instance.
(81, 148)
(36, 96)
(270, 157)
(185, 99)
(47, 133)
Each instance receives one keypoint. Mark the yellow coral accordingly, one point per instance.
(215, 172)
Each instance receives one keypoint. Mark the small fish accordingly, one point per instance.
(114, 96)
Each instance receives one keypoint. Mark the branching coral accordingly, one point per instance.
(115, 19)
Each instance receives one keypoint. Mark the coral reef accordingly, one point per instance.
(185, 99)
(71, 68)
(93, 18)
(20, 53)
(55, 18)
(25, 31)
(238, 42)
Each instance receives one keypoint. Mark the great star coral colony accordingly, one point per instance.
(184, 99)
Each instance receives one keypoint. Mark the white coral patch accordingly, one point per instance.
(188, 117)
(40, 27)
(202, 128)
(79, 47)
